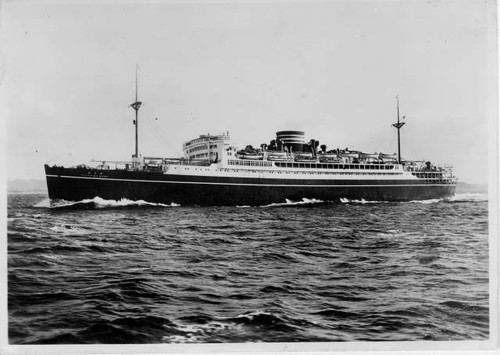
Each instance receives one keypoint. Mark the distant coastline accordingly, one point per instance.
(23, 186)
(463, 187)
(20, 186)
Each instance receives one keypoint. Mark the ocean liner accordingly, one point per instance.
(214, 172)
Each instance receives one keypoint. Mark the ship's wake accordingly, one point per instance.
(99, 203)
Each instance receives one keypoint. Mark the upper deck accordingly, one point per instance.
(213, 154)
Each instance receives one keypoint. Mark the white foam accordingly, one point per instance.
(43, 204)
(467, 196)
(456, 197)
(426, 202)
(196, 333)
(251, 315)
(103, 203)
(63, 203)
(362, 201)
(288, 202)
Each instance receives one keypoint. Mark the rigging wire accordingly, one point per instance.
(165, 136)
(159, 134)
(387, 140)
(150, 131)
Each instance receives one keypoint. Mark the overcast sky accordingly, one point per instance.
(332, 69)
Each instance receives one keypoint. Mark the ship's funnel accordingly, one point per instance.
(291, 139)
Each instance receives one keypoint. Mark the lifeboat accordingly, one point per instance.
(349, 155)
(277, 156)
(388, 156)
(368, 156)
(251, 156)
(328, 158)
(304, 157)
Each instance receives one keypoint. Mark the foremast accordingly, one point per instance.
(136, 106)
(398, 126)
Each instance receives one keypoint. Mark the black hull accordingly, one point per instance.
(76, 184)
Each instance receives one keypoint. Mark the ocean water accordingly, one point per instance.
(132, 272)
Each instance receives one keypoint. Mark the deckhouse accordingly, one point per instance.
(206, 147)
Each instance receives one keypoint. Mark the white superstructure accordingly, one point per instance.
(206, 147)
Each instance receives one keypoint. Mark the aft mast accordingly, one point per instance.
(136, 106)
(398, 126)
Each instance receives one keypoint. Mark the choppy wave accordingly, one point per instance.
(199, 333)
(223, 328)
(69, 229)
(323, 271)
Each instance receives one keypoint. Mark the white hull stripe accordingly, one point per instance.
(237, 184)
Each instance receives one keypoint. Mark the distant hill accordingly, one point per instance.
(465, 187)
(24, 186)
